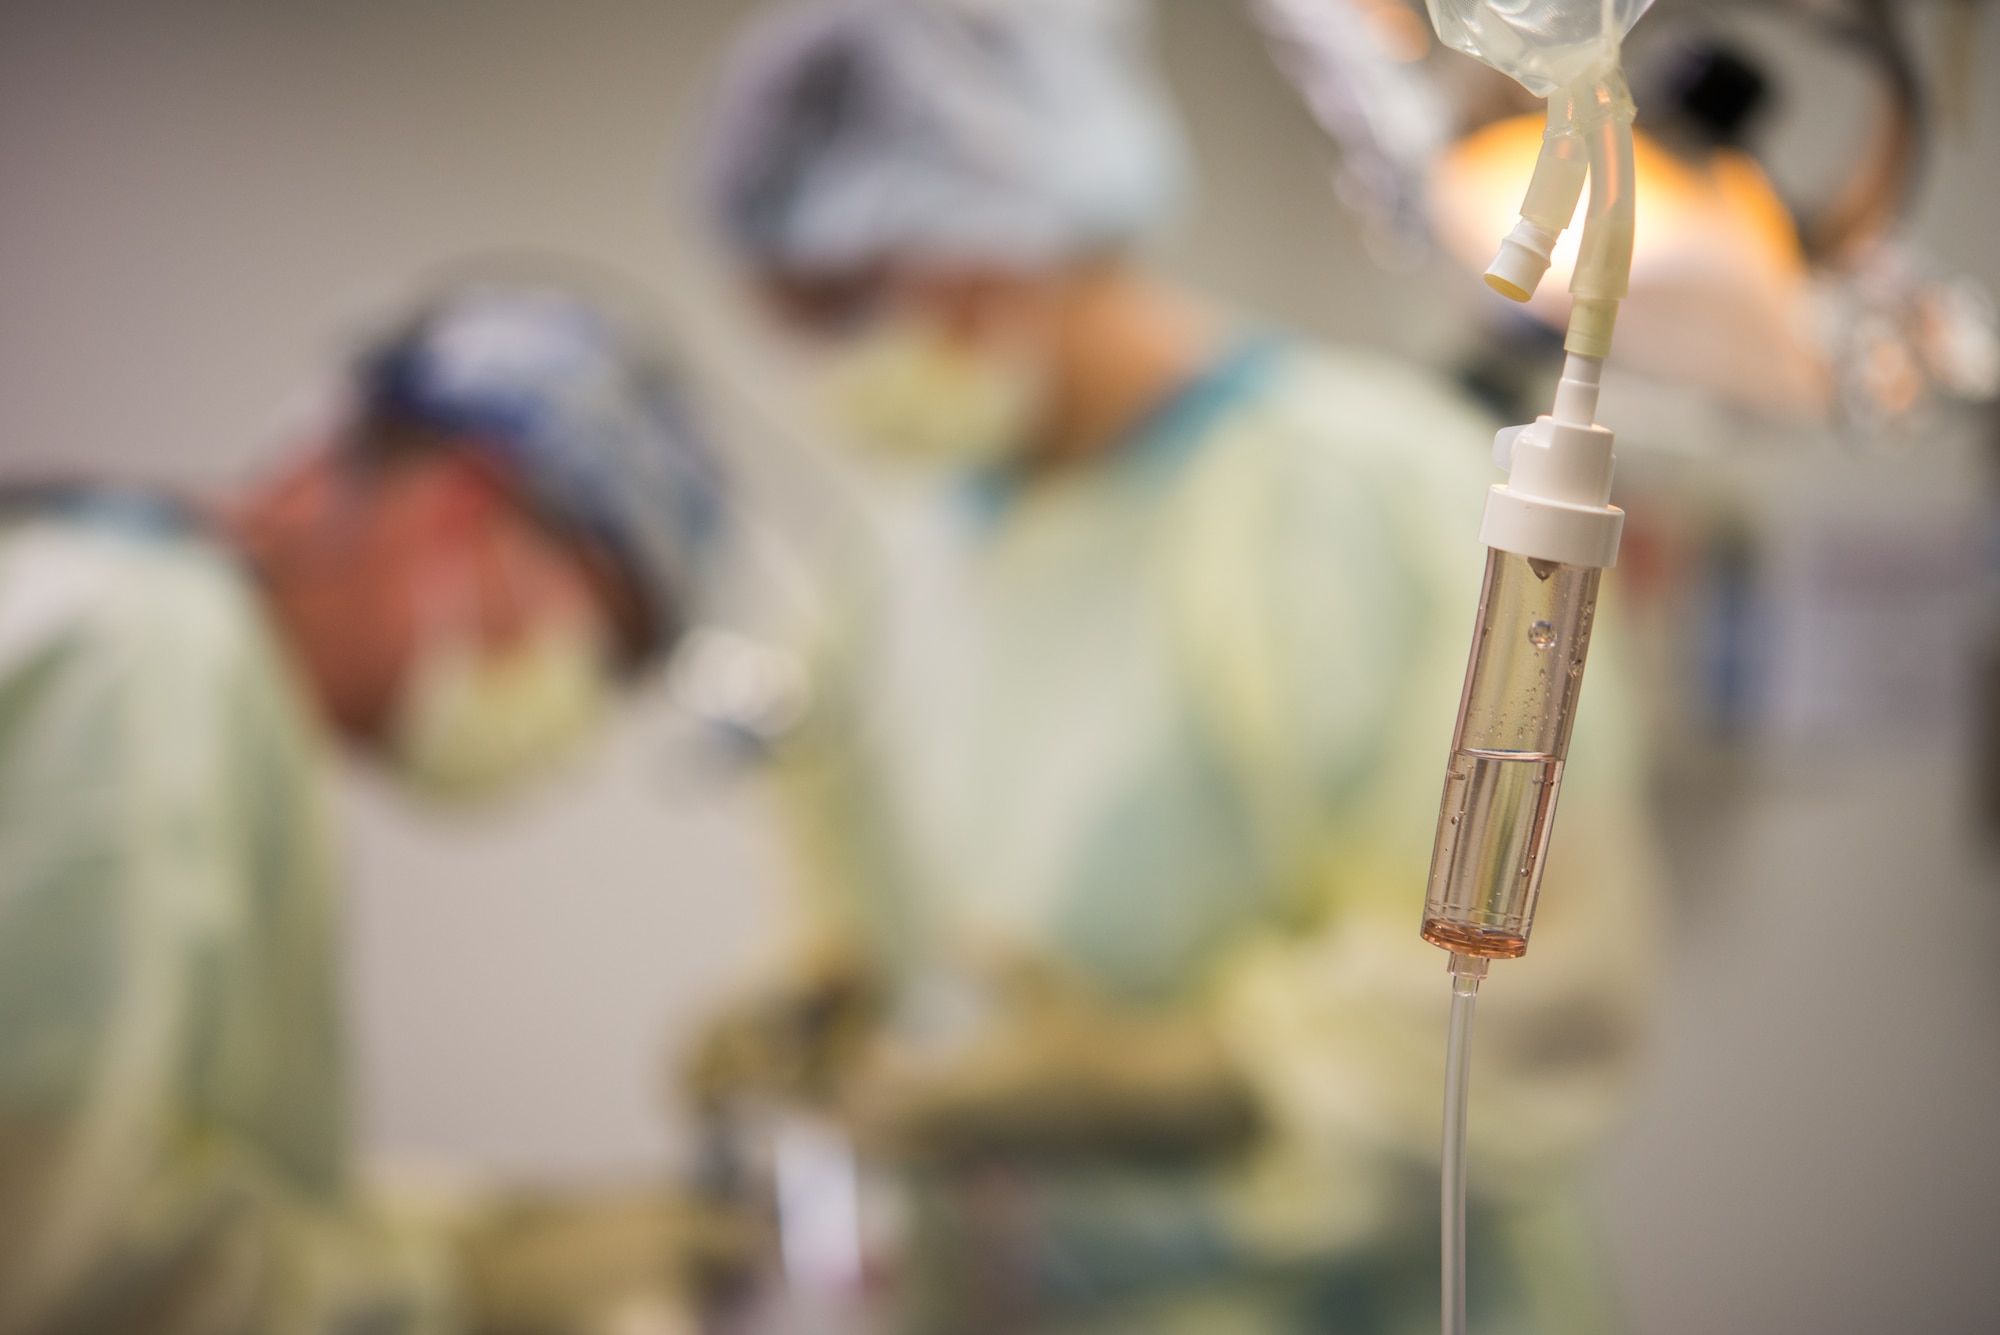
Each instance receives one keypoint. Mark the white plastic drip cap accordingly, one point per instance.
(1523, 260)
(1556, 502)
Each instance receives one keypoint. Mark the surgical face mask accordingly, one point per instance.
(906, 389)
(473, 720)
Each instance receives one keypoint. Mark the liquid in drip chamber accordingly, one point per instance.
(1506, 766)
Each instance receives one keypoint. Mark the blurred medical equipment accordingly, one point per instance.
(1356, 65)
(1550, 531)
(1814, 308)
(763, 1081)
(795, 1177)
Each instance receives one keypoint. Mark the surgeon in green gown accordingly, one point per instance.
(507, 523)
(1129, 728)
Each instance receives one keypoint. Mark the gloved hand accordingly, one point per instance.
(1059, 1071)
(788, 1043)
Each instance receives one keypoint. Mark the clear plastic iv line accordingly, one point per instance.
(1466, 971)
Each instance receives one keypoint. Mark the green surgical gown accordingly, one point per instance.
(173, 1111)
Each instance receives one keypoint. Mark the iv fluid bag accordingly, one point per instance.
(1548, 45)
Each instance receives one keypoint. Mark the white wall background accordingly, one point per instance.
(200, 198)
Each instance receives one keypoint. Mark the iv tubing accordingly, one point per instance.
(1553, 191)
(1466, 971)
(1604, 260)
(1589, 133)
